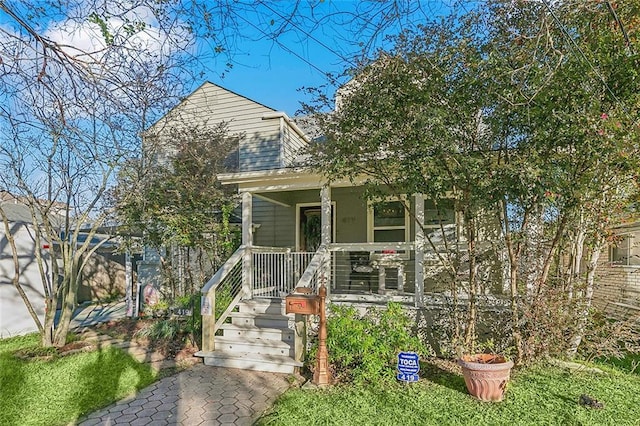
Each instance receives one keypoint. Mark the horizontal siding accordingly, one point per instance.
(14, 317)
(261, 150)
(210, 105)
(277, 224)
(617, 289)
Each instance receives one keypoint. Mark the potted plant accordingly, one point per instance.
(486, 375)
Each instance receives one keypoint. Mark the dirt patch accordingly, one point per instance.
(76, 347)
(39, 353)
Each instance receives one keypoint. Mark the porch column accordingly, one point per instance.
(419, 246)
(325, 235)
(247, 242)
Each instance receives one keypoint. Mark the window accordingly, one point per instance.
(627, 251)
(443, 214)
(440, 221)
(388, 222)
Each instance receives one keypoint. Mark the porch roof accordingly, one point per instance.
(287, 179)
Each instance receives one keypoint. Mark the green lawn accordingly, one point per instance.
(535, 396)
(59, 391)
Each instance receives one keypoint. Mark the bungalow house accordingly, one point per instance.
(300, 230)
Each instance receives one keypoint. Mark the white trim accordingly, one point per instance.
(347, 247)
(319, 205)
(631, 239)
(419, 249)
(291, 123)
(281, 130)
(287, 179)
(247, 219)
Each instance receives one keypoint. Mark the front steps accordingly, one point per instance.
(260, 337)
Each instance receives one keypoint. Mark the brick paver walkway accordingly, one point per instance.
(201, 395)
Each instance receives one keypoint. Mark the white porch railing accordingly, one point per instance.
(391, 269)
(276, 274)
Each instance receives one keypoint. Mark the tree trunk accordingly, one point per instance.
(66, 314)
(513, 254)
(583, 314)
(548, 260)
(577, 250)
(470, 335)
(533, 253)
(49, 318)
(69, 299)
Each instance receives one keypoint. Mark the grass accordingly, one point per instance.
(60, 390)
(535, 396)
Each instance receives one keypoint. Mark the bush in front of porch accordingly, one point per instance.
(363, 348)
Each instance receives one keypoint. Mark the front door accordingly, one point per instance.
(309, 226)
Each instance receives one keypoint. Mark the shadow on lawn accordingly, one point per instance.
(442, 372)
(105, 380)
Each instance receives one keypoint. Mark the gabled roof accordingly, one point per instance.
(204, 87)
(16, 212)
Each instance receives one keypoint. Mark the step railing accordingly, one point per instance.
(316, 268)
(220, 295)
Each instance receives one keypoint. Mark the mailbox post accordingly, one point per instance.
(322, 375)
(301, 301)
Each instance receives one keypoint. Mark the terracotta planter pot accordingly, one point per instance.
(486, 375)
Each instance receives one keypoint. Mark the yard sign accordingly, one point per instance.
(408, 366)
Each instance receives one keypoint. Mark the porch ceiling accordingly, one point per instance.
(279, 180)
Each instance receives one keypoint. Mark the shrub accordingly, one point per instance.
(364, 348)
(157, 310)
(610, 338)
(163, 330)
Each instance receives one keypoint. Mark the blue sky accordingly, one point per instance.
(272, 72)
(273, 77)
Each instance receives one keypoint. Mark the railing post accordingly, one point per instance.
(208, 312)
(419, 251)
(247, 241)
(326, 268)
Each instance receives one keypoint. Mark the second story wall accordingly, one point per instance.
(267, 138)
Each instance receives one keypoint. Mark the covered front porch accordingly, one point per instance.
(300, 231)
(365, 247)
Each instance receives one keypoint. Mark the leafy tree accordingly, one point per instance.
(81, 79)
(565, 107)
(527, 113)
(172, 197)
(72, 110)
